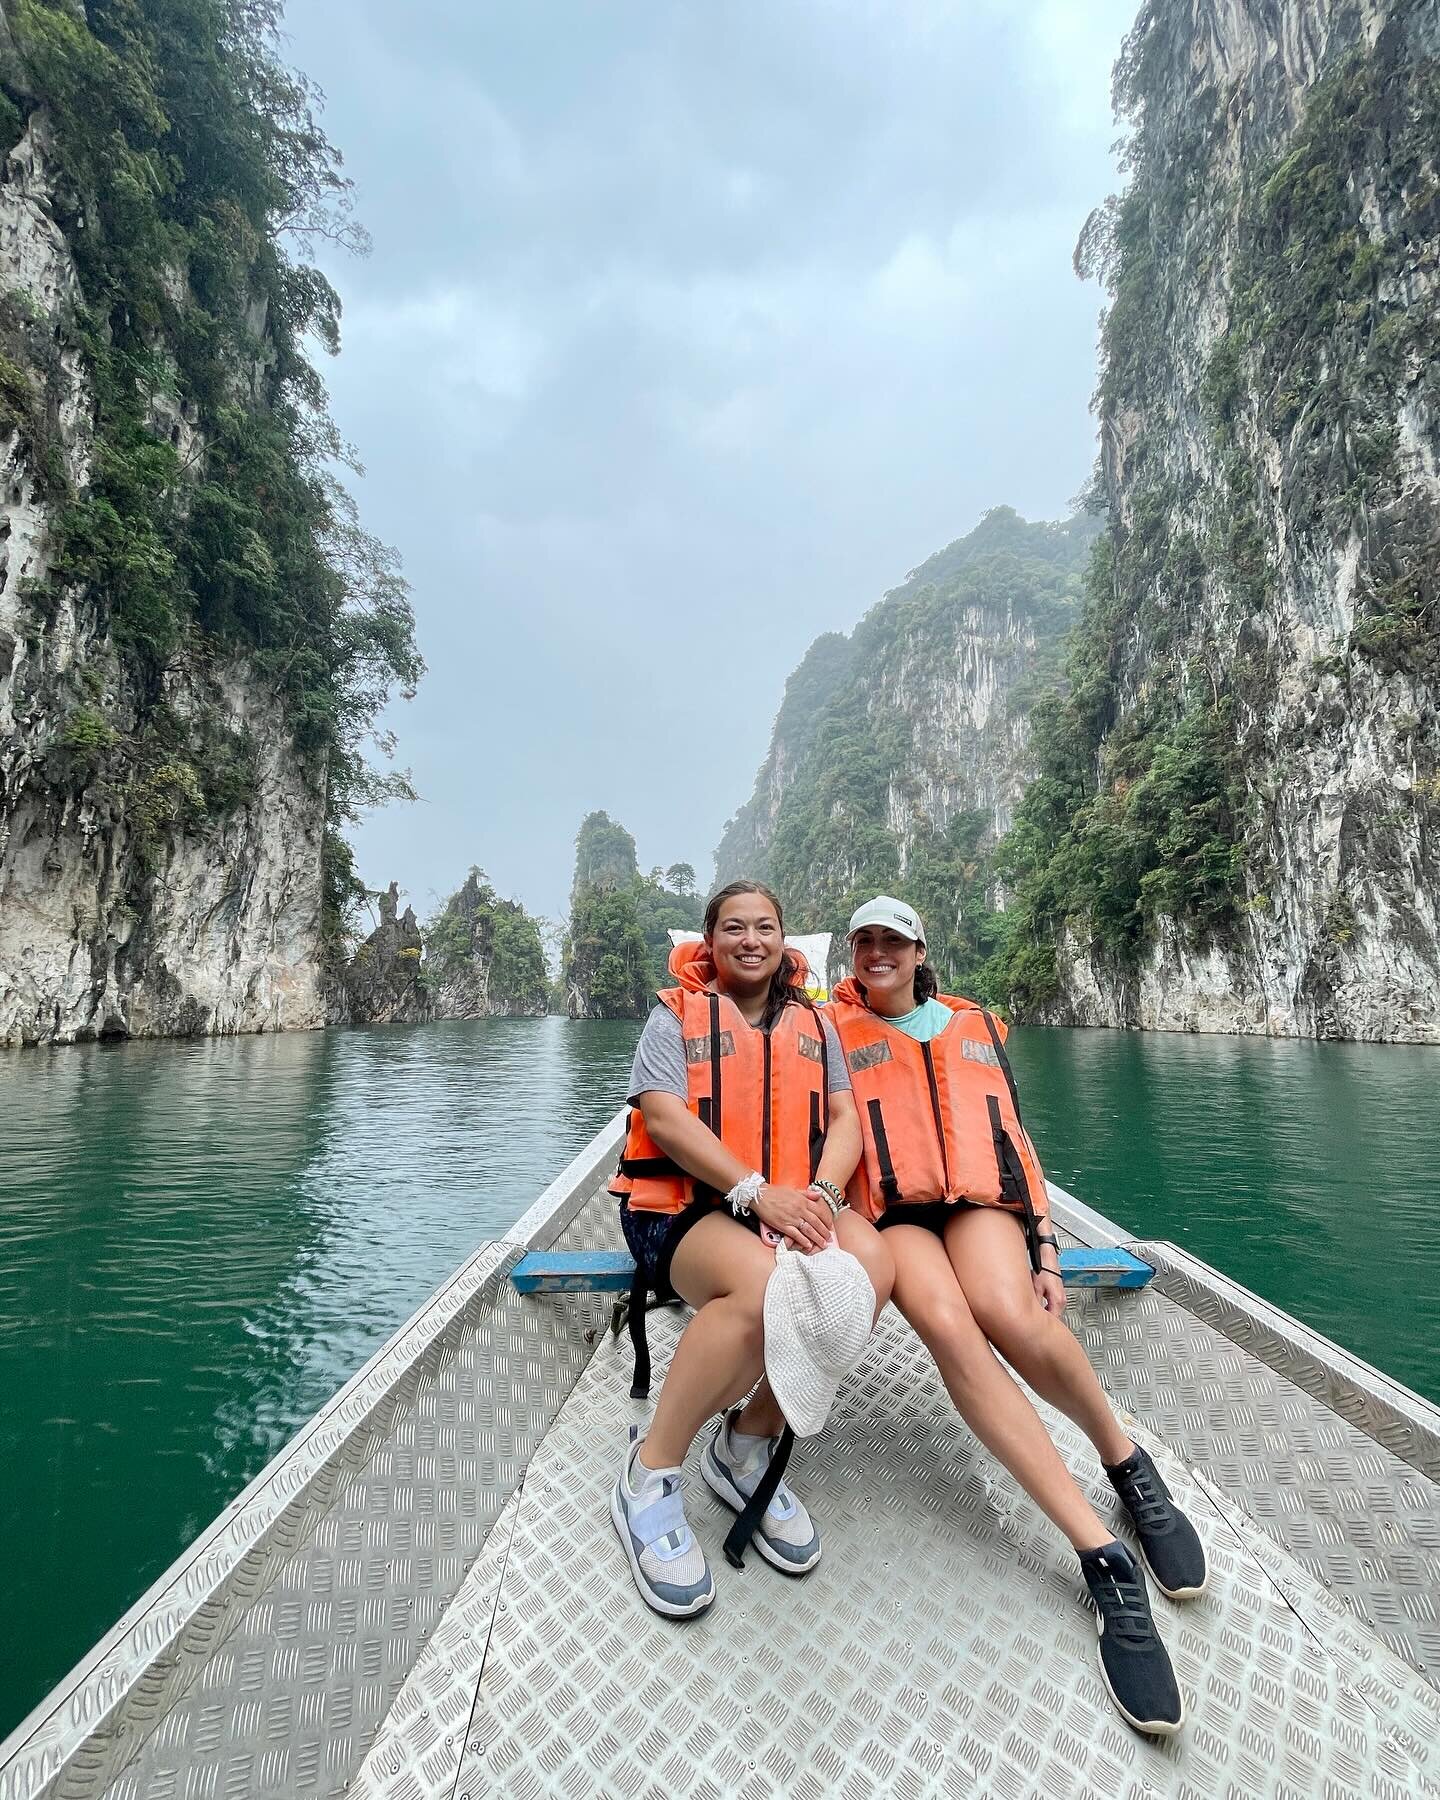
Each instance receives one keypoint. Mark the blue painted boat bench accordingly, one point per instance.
(610, 1271)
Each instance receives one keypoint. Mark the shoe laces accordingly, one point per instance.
(1146, 1498)
(1123, 1604)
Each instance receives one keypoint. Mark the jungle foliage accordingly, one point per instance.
(617, 943)
(191, 178)
(477, 935)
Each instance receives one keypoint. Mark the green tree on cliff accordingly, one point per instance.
(190, 181)
(618, 945)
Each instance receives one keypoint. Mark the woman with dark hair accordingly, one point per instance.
(951, 1177)
(742, 1124)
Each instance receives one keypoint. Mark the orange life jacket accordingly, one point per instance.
(941, 1121)
(765, 1094)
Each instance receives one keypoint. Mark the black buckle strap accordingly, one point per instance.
(1015, 1183)
(639, 1342)
(743, 1529)
(889, 1186)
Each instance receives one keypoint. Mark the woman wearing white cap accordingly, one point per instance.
(742, 1123)
(951, 1177)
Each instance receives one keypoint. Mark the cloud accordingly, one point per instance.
(458, 336)
(922, 280)
(689, 330)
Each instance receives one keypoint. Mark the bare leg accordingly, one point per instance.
(761, 1416)
(987, 1250)
(929, 1294)
(721, 1269)
(862, 1240)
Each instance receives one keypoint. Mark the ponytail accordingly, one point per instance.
(785, 990)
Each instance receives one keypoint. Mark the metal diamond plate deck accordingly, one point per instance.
(346, 1604)
(1360, 1520)
(941, 1647)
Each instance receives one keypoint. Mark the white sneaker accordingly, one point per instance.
(785, 1536)
(669, 1567)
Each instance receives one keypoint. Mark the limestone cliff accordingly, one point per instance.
(617, 946)
(383, 984)
(484, 957)
(194, 633)
(1239, 827)
(127, 907)
(899, 752)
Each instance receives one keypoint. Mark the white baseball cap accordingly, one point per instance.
(819, 1310)
(894, 914)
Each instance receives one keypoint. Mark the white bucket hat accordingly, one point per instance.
(819, 1310)
(893, 914)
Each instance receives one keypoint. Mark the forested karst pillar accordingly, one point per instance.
(1237, 825)
(194, 632)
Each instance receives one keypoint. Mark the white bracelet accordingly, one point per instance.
(745, 1193)
(830, 1194)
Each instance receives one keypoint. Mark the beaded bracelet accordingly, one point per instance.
(831, 1194)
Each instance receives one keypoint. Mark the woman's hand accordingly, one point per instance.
(803, 1220)
(1050, 1291)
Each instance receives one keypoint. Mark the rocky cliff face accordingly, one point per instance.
(195, 632)
(1270, 420)
(382, 982)
(899, 753)
(139, 895)
(484, 957)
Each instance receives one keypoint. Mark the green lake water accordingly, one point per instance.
(200, 1241)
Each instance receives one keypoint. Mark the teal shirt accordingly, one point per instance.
(926, 1022)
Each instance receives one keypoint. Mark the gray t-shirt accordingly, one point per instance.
(659, 1066)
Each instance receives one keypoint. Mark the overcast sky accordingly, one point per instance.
(691, 327)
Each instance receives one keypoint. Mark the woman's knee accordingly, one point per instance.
(866, 1244)
(946, 1326)
(1003, 1316)
(1018, 1325)
(746, 1303)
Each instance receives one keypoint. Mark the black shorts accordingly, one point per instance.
(653, 1237)
(929, 1215)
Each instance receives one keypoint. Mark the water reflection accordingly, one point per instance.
(1302, 1170)
(199, 1242)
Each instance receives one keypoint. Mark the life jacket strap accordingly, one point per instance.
(716, 1115)
(639, 1342)
(1014, 1182)
(757, 1505)
(637, 1166)
(998, 1044)
(889, 1186)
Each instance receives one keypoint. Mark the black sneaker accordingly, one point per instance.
(1169, 1543)
(1134, 1663)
